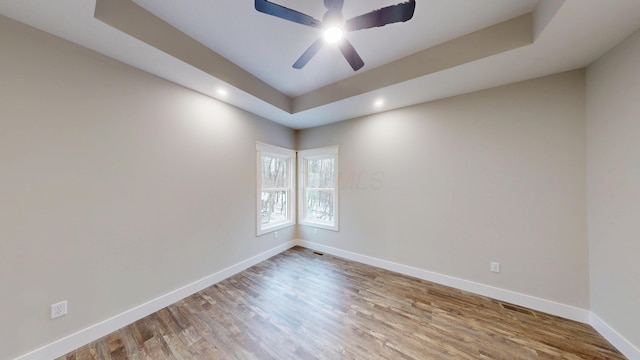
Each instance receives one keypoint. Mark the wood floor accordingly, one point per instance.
(303, 305)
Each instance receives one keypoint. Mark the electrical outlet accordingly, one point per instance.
(495, 267)
(59, 309)
(275, 235)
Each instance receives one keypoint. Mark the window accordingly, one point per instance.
(275, 195)
(318, 179)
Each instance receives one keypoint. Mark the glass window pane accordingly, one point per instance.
(276, 192)
(274, 172)
(319, 205)
(274, 207)
(320, 173)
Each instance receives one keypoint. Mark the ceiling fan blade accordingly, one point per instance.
(282, 12)
(351, 55)
(308, 54)
(387, 15)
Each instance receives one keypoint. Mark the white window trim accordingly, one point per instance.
(262, 148)
(318, 153)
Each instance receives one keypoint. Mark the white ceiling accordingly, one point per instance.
(267, 46)
(569, 34)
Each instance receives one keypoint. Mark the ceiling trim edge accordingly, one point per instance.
(505, 36)
(130, 18)
(135, 21)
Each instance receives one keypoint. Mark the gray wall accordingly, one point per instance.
(449, 186)
(116, 187)
(613, 129)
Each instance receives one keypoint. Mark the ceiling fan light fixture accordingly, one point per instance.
(333, 34)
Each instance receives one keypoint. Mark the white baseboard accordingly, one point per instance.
(623, 345)
(92, 333)
(531, 302)
(550, 307)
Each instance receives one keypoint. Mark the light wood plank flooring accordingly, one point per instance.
(302, 305)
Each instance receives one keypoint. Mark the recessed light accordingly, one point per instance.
(222, 92)
(333, 34)
(378, 103)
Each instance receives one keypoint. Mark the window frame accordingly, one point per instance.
(290, 156)
(311, 154)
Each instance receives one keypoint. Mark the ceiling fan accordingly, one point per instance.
(334, 25)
